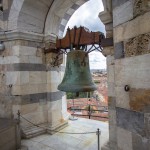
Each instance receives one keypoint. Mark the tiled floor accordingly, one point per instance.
(62, 141)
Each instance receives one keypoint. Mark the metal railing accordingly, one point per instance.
(89, 110)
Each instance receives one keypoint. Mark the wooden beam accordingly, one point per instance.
(107, 42)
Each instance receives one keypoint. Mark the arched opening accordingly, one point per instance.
(27, 83)
(87, 16)
(34, 84)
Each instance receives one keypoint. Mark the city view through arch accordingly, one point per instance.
(87, 16)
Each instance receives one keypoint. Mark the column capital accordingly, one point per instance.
(25, 35)
(106, 15)
(108, 51)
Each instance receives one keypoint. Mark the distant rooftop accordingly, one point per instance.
(98, 70)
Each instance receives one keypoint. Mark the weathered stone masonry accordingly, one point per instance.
(129, 65)
(28, 82)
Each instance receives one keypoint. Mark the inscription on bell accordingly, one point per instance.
(77, 76)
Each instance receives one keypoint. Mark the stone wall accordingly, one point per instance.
(128, 64)
(9, 127)
(29, 83)
(28, 80)
(129, 110)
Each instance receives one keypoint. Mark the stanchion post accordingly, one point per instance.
(18, 116)
(89, 107)
(18, 132)
(89, 111)
(98, 138)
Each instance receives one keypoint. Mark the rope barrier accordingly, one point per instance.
(53, 130)
(98, 132)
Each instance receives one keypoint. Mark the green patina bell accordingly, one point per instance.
(77, 76)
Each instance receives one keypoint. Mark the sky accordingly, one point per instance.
(87, 16)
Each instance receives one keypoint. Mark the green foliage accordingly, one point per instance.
(71, 95)
(96, 81)
(83, 95)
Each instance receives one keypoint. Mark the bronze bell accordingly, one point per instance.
(77, 76)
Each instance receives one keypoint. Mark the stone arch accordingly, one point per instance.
(62, 16)
(14, 14)
(105, 16)
(27, 18)
(41, 16)
(68, 15)
(26, 15)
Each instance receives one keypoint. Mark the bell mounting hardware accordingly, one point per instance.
(79, 39)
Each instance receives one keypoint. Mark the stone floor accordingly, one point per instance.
(62, 141)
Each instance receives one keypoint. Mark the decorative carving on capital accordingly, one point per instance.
(54, 60)
(141, 6)
(138, 45)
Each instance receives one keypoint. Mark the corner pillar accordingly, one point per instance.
(29, 84)
(108, 51)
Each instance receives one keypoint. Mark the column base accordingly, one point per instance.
(106, 146)
(34, 131)
(55, 129)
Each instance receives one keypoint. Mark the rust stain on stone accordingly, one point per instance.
(62, 120)
(139, 99)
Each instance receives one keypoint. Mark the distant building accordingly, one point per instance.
(98, 71)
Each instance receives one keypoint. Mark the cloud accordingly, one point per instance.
(87, 16)
(97, 60)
